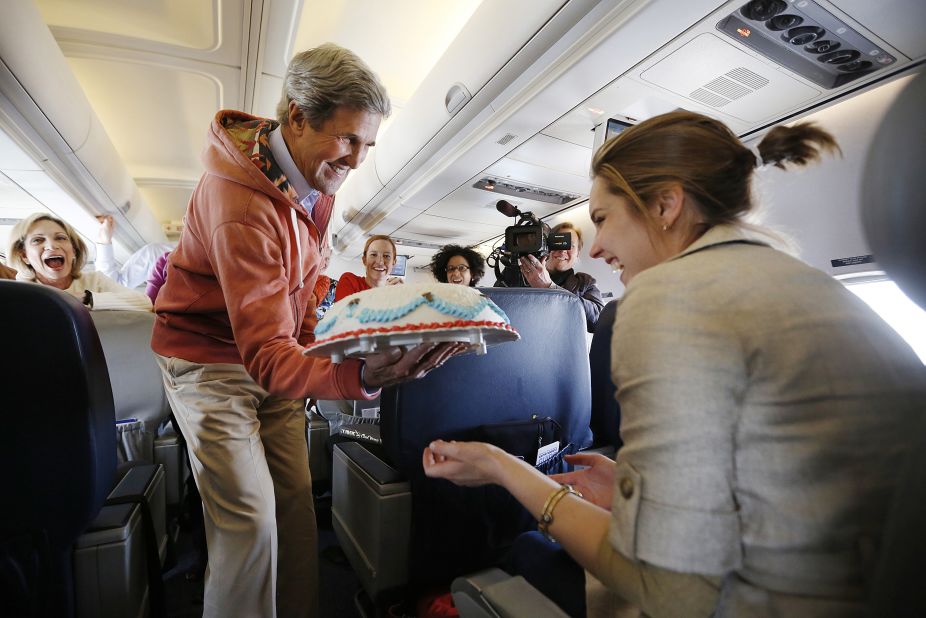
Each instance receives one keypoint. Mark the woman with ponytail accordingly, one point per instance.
(765, 410)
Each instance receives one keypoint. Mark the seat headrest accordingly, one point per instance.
(894, 191)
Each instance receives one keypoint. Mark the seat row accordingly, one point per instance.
(85, 531)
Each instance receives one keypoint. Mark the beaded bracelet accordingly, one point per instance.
(546, 517)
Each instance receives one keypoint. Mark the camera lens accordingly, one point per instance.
(783, 22)
(855, 65)
(821, 47)
(838, 57)
(762, 10)
(802, 35)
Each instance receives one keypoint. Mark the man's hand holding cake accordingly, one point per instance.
(396, 364)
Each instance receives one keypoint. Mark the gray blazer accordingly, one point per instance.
(765, 412)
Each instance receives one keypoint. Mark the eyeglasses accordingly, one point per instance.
(460, 269)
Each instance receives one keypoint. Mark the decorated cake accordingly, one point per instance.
(407, 315)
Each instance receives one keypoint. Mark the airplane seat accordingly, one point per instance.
(534, 390)
(894, 218)
(606, 412)
(141, 407)
(59, 448)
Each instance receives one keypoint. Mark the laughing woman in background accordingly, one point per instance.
(460, 265)
(765, 409)
(379, 256)
(46, 250)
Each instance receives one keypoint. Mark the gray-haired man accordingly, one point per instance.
(237, 310)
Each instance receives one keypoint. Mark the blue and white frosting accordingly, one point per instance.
(433, 301)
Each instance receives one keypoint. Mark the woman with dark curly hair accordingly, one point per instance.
(456, 264)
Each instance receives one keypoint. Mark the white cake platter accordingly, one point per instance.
(478, 338)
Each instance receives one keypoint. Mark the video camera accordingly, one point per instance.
(529, 235)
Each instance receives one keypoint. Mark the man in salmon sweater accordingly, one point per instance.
(233, 318)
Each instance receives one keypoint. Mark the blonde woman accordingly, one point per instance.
(45, 249)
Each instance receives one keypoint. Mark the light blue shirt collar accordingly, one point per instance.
(306, 195)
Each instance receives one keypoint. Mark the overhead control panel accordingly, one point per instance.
(807, 39)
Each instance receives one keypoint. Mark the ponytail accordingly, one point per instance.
(705, 157)
(800, 145)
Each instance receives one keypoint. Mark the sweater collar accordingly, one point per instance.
(721, 235)
(305, 194)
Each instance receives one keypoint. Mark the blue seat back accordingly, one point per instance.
(544, 374)
(57, 446)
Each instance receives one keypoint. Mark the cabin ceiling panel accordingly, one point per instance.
(691, 70)
(435, 238)
(624, 97)
(168, 201)
(198, 25)
(700, 60)
(227, 78)
(394, 220)
(442, 230)
(471, 205)
(576, 127)
(157, 118)
(553, 154)
(523, 110)
(360, 25)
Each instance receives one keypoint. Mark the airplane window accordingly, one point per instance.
(896, 309)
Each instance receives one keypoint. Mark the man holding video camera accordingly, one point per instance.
(556, 271)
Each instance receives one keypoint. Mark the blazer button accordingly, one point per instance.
(626, 487)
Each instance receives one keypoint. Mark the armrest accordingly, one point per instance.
(136, 481)
(494, 593)
(379, 470)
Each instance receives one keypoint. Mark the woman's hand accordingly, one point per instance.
(394, 281)
(395, 365)
(104, 235)
(596, 482)
(465, 463)
(535, 271)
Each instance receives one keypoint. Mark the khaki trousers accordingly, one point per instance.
(249, 457)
